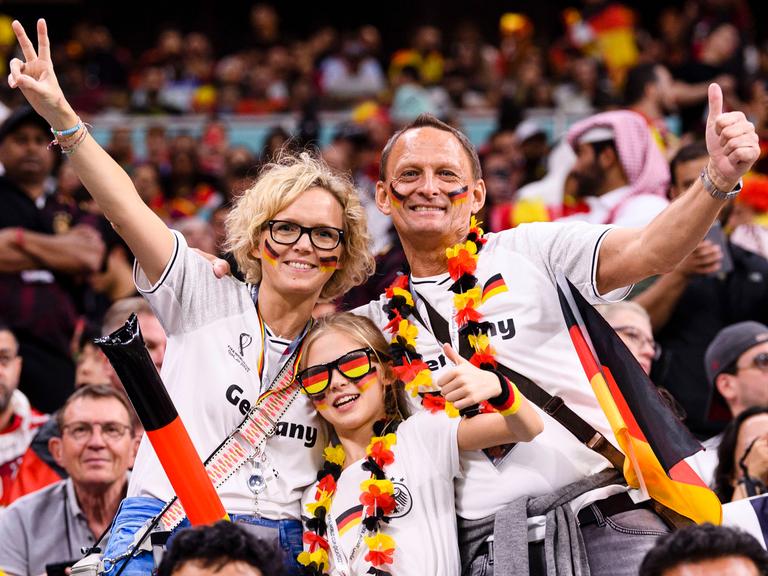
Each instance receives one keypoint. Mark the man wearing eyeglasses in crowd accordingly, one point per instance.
(97, 447)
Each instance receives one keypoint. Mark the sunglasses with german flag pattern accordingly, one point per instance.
(352, 365)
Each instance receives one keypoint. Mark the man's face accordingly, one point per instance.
(587, 172)
(96, 447)
(426, 173)
(10, 368)
(686, 174)
(24, 154)
(195, 568)
(731, 565)
(154, 337)
(751, 382)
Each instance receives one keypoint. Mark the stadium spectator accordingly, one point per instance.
(44, 250)
(742, 467)
(620, 173)
(38, 468)
(18, 420)
(706, 550)
(97, 447)
(223, 549)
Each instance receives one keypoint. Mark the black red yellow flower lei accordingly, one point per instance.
(377, 498)
(409, 366)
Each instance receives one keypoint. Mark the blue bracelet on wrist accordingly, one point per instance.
(68, 131)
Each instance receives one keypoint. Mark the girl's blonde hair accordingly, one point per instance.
(278, 185)
(361, 329)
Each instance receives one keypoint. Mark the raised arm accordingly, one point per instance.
(465, 385)
(145, 233)
(632, 254)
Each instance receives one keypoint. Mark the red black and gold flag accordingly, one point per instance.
(495, 285)
(653, 439)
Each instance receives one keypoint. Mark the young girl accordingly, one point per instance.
(384, 498)
(298, 234)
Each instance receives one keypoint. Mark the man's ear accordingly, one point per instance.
(726, 384)
(608, 157)
(478, 196)
(55, 448)
(383, 200)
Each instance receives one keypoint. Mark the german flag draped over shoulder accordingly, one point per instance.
(654, 441)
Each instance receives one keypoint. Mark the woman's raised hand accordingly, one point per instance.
(35, 77)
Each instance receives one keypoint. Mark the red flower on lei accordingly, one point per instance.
(375, 499)
(382, 455)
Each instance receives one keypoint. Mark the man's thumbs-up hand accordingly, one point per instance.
(732, 143)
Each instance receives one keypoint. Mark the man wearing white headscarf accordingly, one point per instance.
(619, 172)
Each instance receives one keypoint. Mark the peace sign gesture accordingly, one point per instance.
(36, 79)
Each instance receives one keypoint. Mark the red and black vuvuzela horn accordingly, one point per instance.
(129, 356)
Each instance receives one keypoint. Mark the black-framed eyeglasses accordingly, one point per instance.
(760, 362)
(81, 431)
(321, 237)
(352, 365)
(639, 339)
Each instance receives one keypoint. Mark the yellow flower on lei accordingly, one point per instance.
(454, 251)
(384, 486)
(407, 332)
(471, 297)
(451, 410)
(422, 382)
(405, 294)
(380, 542)
(389, 440)
(480, 342)
(319, 556)
(324, 500)
(334, 454)
(473, 223)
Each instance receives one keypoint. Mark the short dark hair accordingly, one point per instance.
(637, 79)
(99, 392)
(220, 544)
(689, 152)
(694, 544)
(430, 121)
(726, 452)
(4, 327)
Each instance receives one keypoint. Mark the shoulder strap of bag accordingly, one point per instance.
(554, 406)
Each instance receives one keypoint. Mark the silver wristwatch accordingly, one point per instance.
(710, 187)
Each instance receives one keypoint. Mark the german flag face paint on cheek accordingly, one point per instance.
(366, 381)
(328, 263)
(459, 196)
(397, 198)
(269, 254)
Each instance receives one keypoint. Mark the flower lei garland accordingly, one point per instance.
(409, 367)
(377, 498)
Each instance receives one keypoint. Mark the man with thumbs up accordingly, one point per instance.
(552, 505)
